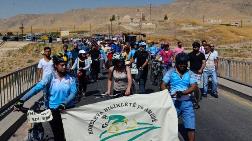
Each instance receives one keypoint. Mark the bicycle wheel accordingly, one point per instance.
(36, 133)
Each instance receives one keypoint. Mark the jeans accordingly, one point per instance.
(142, 83)
(213, 75)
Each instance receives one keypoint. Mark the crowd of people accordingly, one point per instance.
(65, 75)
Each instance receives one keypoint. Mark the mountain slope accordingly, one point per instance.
(179, 9)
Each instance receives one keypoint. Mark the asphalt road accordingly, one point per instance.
(228, 118)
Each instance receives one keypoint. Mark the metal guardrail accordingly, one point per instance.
(2, 43)
(14, 84)
(236, 71)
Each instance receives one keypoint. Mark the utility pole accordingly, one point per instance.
(140, 22)
(90, 29)
(111, 28)
(74, 28)
(22, 30)
(31, 29)
(118, 23)
(150, 12)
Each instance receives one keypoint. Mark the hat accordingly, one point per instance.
(82, 51)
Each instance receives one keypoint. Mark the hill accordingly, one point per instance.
(81, 18)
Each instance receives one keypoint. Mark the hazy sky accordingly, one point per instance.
(10, 8)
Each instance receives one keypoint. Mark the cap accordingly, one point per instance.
(82, 51)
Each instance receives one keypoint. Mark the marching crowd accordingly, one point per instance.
(65, 75)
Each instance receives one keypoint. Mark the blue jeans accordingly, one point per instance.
(142, 83)
(213, 75)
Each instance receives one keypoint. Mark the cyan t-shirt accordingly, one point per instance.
(178, 83)
(59, 91)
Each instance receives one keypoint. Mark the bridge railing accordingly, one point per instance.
(14, 84)
(237, 71)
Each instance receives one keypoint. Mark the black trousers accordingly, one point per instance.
(82, 83)
(95, 69)
(57, 126)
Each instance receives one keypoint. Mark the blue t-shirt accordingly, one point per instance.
(131, 54)
(103, 55)
(178, 83)
(153, 50)
(58, 91)
(116, 48)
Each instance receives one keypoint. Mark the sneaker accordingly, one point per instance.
(216, 96)
(196, 106)
(104, 94)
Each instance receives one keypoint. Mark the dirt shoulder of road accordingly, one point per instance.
(19, 55)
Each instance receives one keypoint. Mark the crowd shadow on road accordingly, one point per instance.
(93, 92)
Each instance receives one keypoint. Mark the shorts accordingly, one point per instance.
(186, 111)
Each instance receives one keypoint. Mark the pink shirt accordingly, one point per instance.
(166, 56)
(178, 50)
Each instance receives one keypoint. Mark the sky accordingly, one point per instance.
(10, 8)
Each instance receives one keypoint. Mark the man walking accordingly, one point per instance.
(210, 71)
(181, 86)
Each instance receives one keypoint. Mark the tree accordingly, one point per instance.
(10, 34)
(165, 17)
(111, 20)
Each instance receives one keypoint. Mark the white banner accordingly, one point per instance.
(149, 117)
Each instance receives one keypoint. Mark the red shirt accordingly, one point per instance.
(166, 56)
(110, 56)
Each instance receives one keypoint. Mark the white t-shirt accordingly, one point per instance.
(215, 53)
(210, 61)
(47, 67)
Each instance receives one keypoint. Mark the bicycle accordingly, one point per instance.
(197, 95)
(156, 73)
(36, 116)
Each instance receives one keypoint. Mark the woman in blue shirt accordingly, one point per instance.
(61, 93)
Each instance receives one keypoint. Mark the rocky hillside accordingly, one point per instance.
(82, 18)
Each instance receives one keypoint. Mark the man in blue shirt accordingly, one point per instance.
(181, 86)
(132, 50)
(69, 56)
(116, 48)
(153, 49)
(61, 93)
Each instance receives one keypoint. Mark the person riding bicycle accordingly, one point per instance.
(95, 66)
(121, 75)
(181, 84)
(153, 50)
(61, 93)
(167, 57)
(142, 58)
(178, 49)
(82, 67)
(132, 50)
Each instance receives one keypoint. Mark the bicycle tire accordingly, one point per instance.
(36, 133)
